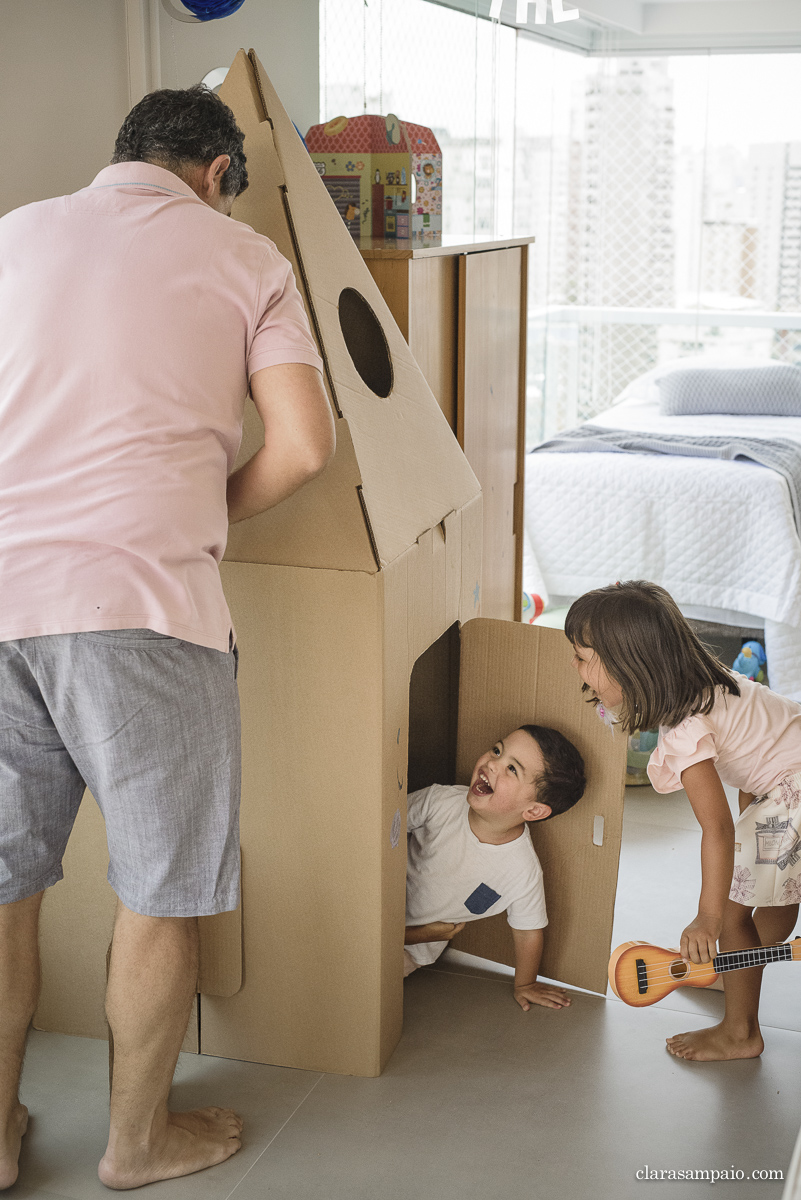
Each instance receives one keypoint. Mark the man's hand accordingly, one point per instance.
(435, 931)
(299, 439)
(699, 940)
(541, 993)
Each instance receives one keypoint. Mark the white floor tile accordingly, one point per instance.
(480, 1101)
(65, 1085)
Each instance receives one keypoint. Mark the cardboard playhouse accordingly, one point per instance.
(383, 174)
(362, 674)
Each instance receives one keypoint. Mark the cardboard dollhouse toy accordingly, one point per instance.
(362, 674)
(383, 174)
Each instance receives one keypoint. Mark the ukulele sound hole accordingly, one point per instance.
(678, 969)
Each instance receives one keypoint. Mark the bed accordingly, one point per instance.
(719, 535)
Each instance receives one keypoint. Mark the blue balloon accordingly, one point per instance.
(212, 10)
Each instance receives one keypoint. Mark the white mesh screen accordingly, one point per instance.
(664, 193)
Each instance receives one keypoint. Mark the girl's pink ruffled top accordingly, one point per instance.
(754, 739)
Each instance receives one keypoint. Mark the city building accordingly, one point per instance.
(621, 205)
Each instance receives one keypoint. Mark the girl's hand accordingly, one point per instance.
(435, 931)
(708, 799)
(699, 940)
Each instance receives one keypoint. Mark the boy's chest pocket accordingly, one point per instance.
(481, 899)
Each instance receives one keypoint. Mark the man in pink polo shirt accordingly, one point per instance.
(133, 318)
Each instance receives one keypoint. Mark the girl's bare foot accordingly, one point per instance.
(715, 1044)
(190, 1141)
(10, 1144)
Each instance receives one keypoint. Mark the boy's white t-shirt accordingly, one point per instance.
(452, 876)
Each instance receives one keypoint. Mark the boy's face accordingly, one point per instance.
(504, 779)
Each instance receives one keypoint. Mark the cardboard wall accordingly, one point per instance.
(513, 674)
(310, 686)
(325, 660)
(473, 686)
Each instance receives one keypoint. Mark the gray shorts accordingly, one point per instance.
(151, 725)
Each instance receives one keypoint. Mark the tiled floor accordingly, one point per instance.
(480, 1100)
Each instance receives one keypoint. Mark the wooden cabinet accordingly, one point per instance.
(462, 309)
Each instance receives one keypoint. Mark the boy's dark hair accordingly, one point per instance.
(187, 128)
(646, 646)
(562, 782)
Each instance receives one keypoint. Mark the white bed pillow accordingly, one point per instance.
(646, 386)
(768, 389)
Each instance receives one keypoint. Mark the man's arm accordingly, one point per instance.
(528, 952)
(299, 439)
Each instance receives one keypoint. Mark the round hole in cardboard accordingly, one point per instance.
(365, 341)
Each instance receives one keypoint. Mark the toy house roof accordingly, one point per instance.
(421, 139)
(367, 134)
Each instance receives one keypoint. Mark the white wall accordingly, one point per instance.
(63, 94)
(64, 86)
(284, 34)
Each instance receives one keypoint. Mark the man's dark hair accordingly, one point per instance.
(562, 782)
(179, 129)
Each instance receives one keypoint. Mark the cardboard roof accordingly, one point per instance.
(398, 470)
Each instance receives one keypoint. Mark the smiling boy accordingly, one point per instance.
(470, 853)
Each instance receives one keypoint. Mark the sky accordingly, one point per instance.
(752, 98)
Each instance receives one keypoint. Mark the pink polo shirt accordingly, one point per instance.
(131, 317)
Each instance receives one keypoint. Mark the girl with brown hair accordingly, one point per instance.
(644, 667)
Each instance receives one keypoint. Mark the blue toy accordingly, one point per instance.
(751, 661)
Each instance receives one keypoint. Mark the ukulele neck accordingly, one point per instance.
(734, 960)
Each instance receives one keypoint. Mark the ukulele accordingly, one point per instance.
(641, 974)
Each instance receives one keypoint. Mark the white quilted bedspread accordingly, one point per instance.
(717, 535)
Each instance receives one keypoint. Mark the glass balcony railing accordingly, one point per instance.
(581, 357)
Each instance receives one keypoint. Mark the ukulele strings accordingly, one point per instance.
(661, 972)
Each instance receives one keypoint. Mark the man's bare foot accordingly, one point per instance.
(715, 1044)
(190, 1141)
(10, 1144)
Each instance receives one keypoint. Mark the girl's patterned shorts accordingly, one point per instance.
(767, 848)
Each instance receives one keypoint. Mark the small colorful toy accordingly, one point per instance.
(533, 607)
(383, 174)
(751, 661)
(641, 746)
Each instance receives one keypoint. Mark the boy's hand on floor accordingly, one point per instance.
(541, 993)
(434, 931)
